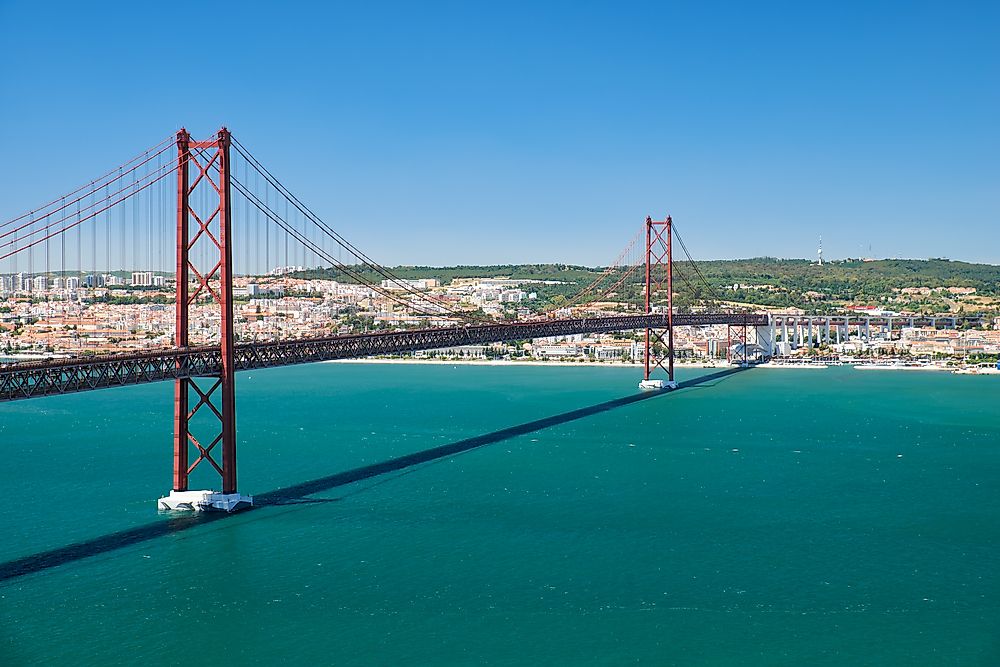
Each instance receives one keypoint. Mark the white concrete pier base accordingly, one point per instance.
(656, 385)
(204, 501)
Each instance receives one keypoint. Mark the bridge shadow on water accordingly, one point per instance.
(298, 493)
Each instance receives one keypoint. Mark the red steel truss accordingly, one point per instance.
(659, 274)
(214, 390)
(35, 379)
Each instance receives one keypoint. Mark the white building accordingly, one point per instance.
(511, 296)
(406, 284)
(142, 278)
(285, 270)
(251, 290)
(555, 351)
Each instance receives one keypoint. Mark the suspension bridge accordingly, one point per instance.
(209, 213)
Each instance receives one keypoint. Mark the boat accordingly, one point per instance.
(980, 369)
(796, 363)
(896, 366)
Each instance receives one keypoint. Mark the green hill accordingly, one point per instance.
(762, 281)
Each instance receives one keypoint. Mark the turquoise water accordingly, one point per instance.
(771, 517)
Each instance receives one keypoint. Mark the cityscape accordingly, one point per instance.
(44, 316)
(448, 334)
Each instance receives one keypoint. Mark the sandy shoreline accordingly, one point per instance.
(602, 364)
(509, 362)
(578, 364)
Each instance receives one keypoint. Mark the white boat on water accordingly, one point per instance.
(983, 369)
(897, 366)
(787, 364)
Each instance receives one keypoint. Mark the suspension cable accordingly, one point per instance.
(305, 241)
(326, 228)
(94, 185)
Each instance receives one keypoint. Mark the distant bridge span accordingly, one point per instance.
(64, 376)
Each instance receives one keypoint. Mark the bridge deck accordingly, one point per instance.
(62, 376)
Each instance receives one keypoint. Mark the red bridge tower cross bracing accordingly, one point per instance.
(659, 275)
(212, 234)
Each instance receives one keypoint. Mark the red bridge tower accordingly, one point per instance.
(659, 275)
(210, 425)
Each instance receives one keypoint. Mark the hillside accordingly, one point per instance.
(765, 281)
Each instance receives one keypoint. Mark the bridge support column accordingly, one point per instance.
(215, 397)
(765, 338)
(742, 340)
(659, 274)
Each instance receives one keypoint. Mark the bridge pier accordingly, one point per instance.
(765, 338)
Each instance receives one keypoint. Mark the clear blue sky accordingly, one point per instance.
(473, 132)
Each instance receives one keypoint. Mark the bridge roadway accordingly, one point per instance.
(63, 376)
